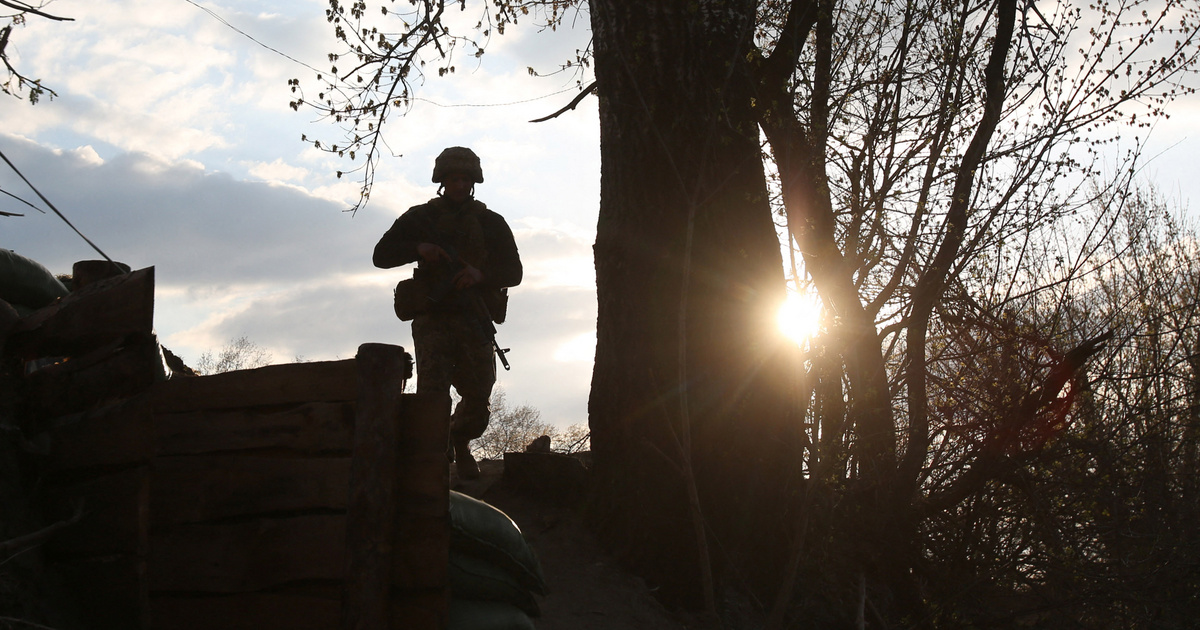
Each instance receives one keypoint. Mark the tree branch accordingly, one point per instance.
(777, 68)
(27, 8)
(993, 458)
(933, 282)
(575, 101)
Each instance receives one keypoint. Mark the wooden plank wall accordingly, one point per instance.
(221, 501)
(249, 482)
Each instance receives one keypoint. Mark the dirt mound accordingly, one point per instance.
(588, 590)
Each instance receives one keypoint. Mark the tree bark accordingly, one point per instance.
(687, 381)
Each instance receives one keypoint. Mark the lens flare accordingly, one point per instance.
(799, 316)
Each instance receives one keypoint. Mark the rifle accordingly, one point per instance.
(483, 316)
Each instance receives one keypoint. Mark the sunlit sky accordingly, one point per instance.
(171, 144)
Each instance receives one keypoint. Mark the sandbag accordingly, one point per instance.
(25, 282)
(476, 579)
(468, 614)
(480, 530)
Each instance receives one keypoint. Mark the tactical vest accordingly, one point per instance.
(459, 228)
(458, 231)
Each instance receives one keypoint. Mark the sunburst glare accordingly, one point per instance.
(799, 316)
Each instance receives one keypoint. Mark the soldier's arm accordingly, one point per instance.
(399, 244)
(504, 262)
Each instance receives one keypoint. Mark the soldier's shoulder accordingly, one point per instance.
(487, 213)
(421, 208)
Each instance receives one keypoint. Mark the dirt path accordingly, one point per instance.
(588, 591)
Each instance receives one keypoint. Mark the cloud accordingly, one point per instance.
(197, 226)
(278, 171)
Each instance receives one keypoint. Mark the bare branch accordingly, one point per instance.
(570, 106)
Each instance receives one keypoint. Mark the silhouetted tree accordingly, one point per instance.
(925, 158)
(238, 354)
(511, 429)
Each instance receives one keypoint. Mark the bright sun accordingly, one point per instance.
(799, 316)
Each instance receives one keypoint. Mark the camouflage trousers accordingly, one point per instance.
(452, 350)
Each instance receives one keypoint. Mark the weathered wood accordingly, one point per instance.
(291, 383)
(421, 558)
(110, 592)
(114, 515)
(423, 480)
(252, 611)
(248, 556)
(104, 376)
(88, 272)
(313, 428)
(209, 487)
(371, 510)
(96, 315)
(120, 433)
(377, 489)
(109, 374)
(420, 563)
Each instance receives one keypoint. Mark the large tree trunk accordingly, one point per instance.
(687, 381)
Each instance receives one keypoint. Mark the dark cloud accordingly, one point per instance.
(194, 226)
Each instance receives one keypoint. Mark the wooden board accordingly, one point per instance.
(114, 515)
(110, 374)
(210, 487)
(250, 611)
(120, 433)
(285, 384)
(110, 592)
(248, 556)
(310, 428)
(89, 318)
(421, 558)
(423, 523)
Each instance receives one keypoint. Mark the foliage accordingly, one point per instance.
(511, 429)
(16, 82)
(238, 354)
(1093, 529)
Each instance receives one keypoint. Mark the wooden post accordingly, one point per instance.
(87, 272)
(420, 563)
(397, 491)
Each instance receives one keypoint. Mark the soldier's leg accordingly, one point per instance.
(473, 377)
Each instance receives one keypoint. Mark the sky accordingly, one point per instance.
(171, 144)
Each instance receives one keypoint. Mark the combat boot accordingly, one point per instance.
(467, 468)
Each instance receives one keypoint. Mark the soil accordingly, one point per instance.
(588, 590)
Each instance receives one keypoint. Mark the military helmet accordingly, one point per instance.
(457, 160)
